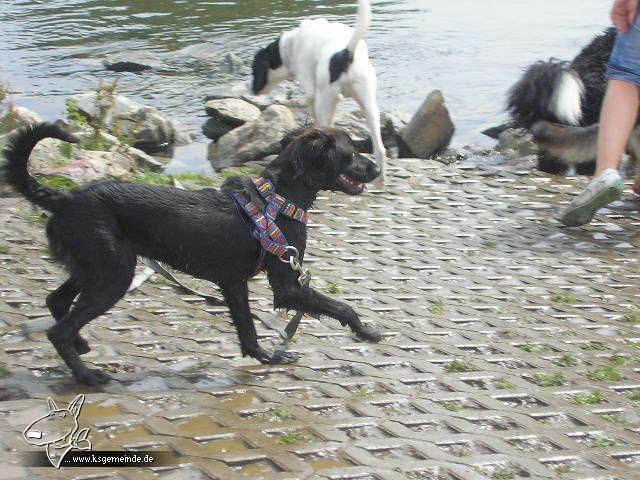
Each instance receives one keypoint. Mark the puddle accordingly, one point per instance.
(323, 459)
(223, 445)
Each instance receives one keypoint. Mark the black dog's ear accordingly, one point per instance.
(289, 136)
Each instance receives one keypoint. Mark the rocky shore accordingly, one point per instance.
(126, 140)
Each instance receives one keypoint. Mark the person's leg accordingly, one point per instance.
(617, 120)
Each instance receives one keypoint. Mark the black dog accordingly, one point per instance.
(96, 231)
(566, 93)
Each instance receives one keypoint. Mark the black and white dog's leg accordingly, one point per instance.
(325, 103)
(365, 95)
(236, 294)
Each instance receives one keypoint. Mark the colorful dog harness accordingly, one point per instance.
(265, 230)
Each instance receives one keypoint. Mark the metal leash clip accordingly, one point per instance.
(304, 278)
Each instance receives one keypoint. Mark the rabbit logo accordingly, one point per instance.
(58, 431)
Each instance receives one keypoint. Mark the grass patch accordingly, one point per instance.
(619, 359)
(566, 361)
(36, 217)
(437, 308)
(562, 298)
(295, 437)
(605, 442)
(458, 366)
(334, 288)
(631, 317)
(531, 348)
(615, 418)
(549, 379)
(57, 181)
(4, 249)
(634, 394)
(502, 384)
(593, 346)
(4, 370)
(453, 406)
(588, 398)
(199, 180)
(280, 414)
(604, 374)
(152, 178)
(21, 270)
(503, 475)
(562, 469)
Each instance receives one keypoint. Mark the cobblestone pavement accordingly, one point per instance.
(511, 349)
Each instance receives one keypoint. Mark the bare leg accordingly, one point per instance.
(365, 95)
(324, 106)
(617, 120)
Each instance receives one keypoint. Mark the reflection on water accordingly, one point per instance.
(471, 50)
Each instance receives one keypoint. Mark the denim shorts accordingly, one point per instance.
(624, 63)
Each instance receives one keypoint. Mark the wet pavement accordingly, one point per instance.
(511, 349)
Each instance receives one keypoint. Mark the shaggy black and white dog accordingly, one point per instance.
(329, 59)
(565, 93)
(97, 231)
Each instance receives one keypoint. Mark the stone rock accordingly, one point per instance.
(232, 111)
(13, 116)
(516, 141)
(214, 129)
(133, 61)
(232, 63)
(253, 140)
(149, 129)
(429, 131)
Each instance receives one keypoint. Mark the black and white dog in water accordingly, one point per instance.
(329, 60)
(564, 93)
(97, 231)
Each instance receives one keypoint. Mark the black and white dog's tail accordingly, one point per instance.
(363, 22)
(17, 157)
(550, 91)
(340, 61)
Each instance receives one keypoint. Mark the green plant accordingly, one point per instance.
(529, 347)
(615, 418)
(562, 469)
(549, 379)
(634, 394)
(588, 398)
(566, 361)
(605, 442)
(631, 317)
(4, 370)
(458, 366)
(4, 249)
(593, 346)
(22, 270)
(198, 179)
(560, 298)
(618, 359)
(334, 289)
(502, 384)
(454, 406)
(152, 178)
(602, 374)
(437, 308)
(503, 475)
(295, 436)
(57, 181)
(280, 414)
(66, 150)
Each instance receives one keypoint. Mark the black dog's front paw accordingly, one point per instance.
(92, 377)
(368, 334)
(279, 357)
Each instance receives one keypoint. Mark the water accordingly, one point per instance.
(471, 50)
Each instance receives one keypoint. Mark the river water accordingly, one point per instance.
(471, 50)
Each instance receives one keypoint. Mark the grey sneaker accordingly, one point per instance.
(600, 191)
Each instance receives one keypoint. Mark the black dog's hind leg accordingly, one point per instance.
(105, 281)
(59, 302)
(236, 294)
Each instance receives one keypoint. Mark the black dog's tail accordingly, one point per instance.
(550, 91)
(17, 157)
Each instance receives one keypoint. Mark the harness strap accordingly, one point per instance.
(266, 230)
